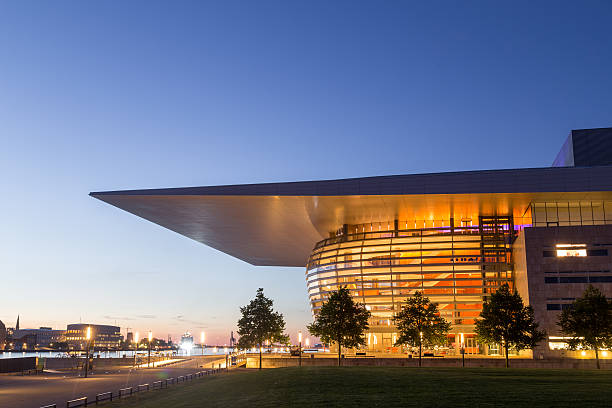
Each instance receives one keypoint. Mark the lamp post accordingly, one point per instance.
(88, 337)
(420, 347)
(300, 349)
(135, 347)
(202, 340)
(150, 339)
(462, 351)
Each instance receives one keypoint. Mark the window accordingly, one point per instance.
(600, 279)
(597, 252)
(573, 279)
(553, 306)
(571, 252)
(551, 280)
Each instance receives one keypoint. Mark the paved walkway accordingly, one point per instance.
(57, 388)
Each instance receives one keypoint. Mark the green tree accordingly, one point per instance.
(341, 320)
(588, 322)
(505, 320)
(419, 324)
(259, 322)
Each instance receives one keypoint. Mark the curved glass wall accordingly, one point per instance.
(454, 266)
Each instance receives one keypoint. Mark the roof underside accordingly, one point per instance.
(277, 224)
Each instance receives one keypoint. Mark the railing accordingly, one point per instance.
(104, 396)
(129, 391)
(78, 402)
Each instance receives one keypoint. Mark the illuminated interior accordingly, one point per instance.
(455, 266)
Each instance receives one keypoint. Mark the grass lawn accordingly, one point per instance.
(387, 387)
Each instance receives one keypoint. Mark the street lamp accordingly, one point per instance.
(300, 350)
(135, 347)
(420, 347)
(88, 337)
(202, 340)
(462, 351)
(150, 339)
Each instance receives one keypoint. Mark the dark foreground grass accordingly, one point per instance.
(387, 387)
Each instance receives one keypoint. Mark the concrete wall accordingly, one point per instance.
(532, 267)
(10, 365)
(253, 362)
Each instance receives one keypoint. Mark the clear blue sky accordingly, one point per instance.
(113, 95)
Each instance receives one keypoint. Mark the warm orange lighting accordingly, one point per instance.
(136, 337)
(202, 337)
(150, 336)
(88, 335)
(299, 336)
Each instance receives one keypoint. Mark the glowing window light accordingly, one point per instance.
(604, 353)
(564, 250)
(583, 353)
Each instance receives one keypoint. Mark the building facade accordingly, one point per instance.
(35, 338)
(103, 336)
(456, 237)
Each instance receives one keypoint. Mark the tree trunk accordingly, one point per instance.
(260, 356)
(506, 350)
(420, 351)
(597, 357)
(339, 353)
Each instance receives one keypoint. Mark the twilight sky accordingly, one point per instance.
(117, 95)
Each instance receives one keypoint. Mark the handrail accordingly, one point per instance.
(104, 396)
(79, 402)
(129, 391)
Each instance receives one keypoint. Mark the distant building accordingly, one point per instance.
(103, 336)
(2, 335)
(187, 340)
(129, 338)
(41, 337)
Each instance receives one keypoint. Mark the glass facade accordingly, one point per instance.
(566, 213)
(455, 264)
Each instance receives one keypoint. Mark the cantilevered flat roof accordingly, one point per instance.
(277, 224)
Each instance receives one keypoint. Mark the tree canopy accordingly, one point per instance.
(419, 324)
(259, 322)
(341, 320)
(507, 321)
(588, 322)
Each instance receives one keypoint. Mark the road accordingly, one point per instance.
(57, 388)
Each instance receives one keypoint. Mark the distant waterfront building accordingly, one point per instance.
(129, 337)
(104, 337)
(186, 341)
(456, 237)
(33, 338)
(2, 335)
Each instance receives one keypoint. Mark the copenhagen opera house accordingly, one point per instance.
(454, 236)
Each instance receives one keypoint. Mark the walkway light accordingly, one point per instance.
(135, 347)
(300, 349)
(150, 339)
